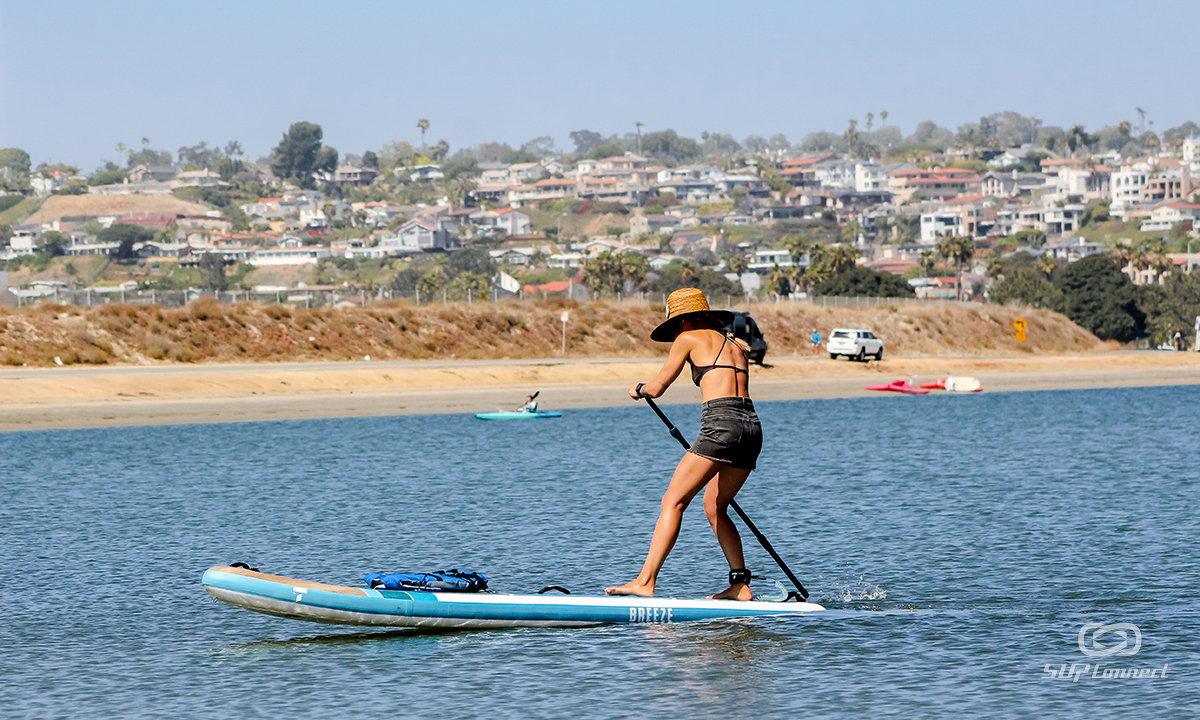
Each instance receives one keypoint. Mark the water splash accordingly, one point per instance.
(858, 589)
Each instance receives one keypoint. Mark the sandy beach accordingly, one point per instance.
(76, 397)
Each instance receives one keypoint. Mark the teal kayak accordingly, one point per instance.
(516, 415)
(342, 605)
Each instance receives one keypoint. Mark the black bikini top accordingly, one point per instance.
(699, 371)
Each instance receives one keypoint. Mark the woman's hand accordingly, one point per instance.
(635, 391)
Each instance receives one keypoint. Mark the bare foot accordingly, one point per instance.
(636, 587)
(737, 591)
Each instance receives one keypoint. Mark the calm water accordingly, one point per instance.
(959, 542)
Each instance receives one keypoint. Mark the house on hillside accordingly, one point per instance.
(419, 234)
(147, 173)
(348, 174)
(652, 224)
(506, 221)
(934, 183)
(1011, 184)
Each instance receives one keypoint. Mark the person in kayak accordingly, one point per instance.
(730, 436)
(530, 405)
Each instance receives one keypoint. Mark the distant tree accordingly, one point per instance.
(108, 177)
(818, 142)
(870, 120)
(738, 264)
(15, 158)
(212, 269)
(668, 144)
(476, 260)
(199, 155)
(755, 145)
(228, 167)
(586, 141)
(296, 155)
(440, 151)
(149, 158)
(883, 117)
(125, 237)
(422, 125)
(75, 187)
(928, 263)
(6, 234)
(396, 153)
(864, 282)
(53, 243)
(370, 160)
(851, 137)
(1102, 299)
(233, 149)
(1026, 286)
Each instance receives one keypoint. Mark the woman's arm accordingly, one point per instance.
(670, 370)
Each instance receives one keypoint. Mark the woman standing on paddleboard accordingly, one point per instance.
(730, 435)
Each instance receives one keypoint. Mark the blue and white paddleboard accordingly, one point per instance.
(341, 605)
(516, 415)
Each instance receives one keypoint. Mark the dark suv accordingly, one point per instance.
(744, 328)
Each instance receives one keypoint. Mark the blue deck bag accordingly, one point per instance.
(436, 581)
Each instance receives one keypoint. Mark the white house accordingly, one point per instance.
(1072, 249)
(934, 225)
(310, 255)
(507, 220)
(1191, 148)
(1164, 216)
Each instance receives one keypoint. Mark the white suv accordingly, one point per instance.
(857, 344)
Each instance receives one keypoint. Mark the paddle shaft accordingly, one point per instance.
(762, 539)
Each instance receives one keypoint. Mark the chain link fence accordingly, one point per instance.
(315, 297)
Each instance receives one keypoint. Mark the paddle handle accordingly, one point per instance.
(762, 539)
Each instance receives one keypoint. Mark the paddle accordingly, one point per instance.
(762, 539)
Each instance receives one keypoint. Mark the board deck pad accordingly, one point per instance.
(342, 605)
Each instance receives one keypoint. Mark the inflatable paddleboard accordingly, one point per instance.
(955, 384)
(341, 605)
(900, 386)
(516, 415)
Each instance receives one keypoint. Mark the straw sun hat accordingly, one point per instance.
(688, 303)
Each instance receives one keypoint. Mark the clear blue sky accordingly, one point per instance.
(78, 77)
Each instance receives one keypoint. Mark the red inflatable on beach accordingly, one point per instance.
(955, 384)
(899, 386)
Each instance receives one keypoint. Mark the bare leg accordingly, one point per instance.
(691, 474)
(717, 497)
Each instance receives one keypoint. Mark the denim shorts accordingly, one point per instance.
(729, 432)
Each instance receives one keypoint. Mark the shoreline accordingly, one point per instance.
(62, 398)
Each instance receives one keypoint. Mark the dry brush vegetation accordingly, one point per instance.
(208, 331)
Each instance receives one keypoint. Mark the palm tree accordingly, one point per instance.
(797, 247)
(842, 259)
(738, 264)
(780, 281)
(422, 125)
(928, 263)
(870, 119)
(689, 271)
(964, 251)
(639, 125)
(634, 267)
(883, 117)
(1142, 114)
(1047, 264)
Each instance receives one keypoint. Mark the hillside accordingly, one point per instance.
(60, 206)
(209, 331)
